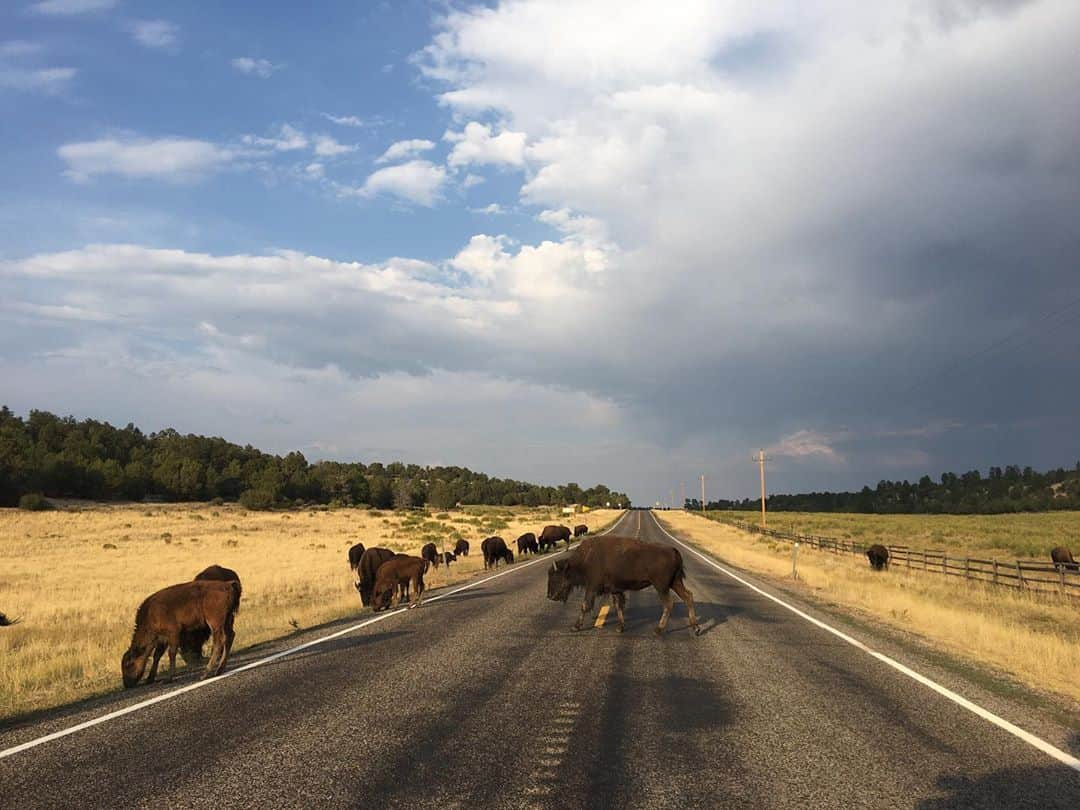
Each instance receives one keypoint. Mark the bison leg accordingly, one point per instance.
(668, 601)
(159, 650)
(217, 652)
(684, 593)
(586, 609)
(619, 600)
(173, 646)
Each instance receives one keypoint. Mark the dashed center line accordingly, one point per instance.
(555, 737)
(601, 617)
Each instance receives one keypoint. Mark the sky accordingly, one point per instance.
(601, 241)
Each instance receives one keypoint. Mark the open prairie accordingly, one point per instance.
(75, 576)
(1026, 534)
(1035, 640)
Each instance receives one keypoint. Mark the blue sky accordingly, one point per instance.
(613, 241)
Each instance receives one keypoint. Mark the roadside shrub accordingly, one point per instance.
(257, 499)
(34, 502)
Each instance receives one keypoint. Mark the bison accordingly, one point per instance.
(355, 553)
(192, 641)
(494, 549)
(527, 544)
(581, 530)
(394, 580)
(878, 556)
(6, 622)
(430, 552)
(1063, 559)
(449, 557)
(613, 565)
(551, 535)
(165, 615)
(462, 548)
(369, 567)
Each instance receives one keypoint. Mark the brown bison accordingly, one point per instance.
(527, 544)
(165, 615)
(581, 530)
(878, 556)
(369, 567)
(430, 552)
(355, 553)
(192, 641)
(6, 622)
(449, 557)
(462, 548)
(395, 578)
(551, 535)
(1063, 558)
(494, 549)
(614, 565)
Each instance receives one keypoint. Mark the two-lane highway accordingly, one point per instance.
(487, 698)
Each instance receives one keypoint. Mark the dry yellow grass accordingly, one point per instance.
(75, 577)
(1037, 641)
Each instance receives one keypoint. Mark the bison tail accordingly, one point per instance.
(679, 573)
(234, 606)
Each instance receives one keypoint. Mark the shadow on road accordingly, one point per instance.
(1043, 787)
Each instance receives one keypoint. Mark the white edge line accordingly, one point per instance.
(1036, 742)
(134, 707)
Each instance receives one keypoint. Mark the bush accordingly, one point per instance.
(257, 499)
(34, 502)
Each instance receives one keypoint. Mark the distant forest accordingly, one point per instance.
(1001, 490)
(60, 457)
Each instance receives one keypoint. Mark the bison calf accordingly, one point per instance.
(369, 566)
(192, 641)
(878, 556)
(395, 578)
(449, 557)
(581, 530)
(165, 615)
(527, 544)
(462, 548)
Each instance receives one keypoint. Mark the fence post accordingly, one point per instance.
(1061, 574)
(795, 561)
(924, 560)
(1019, 576)
(945, 563)
(995, 572)
(967, 567)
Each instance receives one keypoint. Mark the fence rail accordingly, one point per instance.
(1033, 576)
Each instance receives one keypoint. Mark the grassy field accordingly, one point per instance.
(76, 576)
(1036, 641)
(1021, 535)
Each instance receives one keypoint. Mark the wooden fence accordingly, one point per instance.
(1034, 576)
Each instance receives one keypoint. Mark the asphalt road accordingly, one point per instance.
(487, 699)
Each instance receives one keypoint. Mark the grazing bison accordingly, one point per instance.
(581, 530)
(462, 548)
(449, 557)
(430, 552)
(394, 580)
(494, 549)
(551, 535)
(192, 641)
(614, 565)
(878, 556)
(165, 615)
(369, 566)
(355, 553)
(527, 544)
(6, 622)
(1063, 558)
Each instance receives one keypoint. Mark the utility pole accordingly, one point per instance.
(671, 499)
(703, 492)
(683, 485)
(761, 459)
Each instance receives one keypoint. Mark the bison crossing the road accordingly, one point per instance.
(613, 565)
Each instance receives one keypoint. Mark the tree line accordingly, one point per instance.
(61, 457)
(1001, 490)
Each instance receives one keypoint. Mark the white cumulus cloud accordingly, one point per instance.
(476, 145)
(405, 149)
(418, 181)
(169, 159)
(250, 66)
(156, 34)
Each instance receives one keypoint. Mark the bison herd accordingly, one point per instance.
(182, 618)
